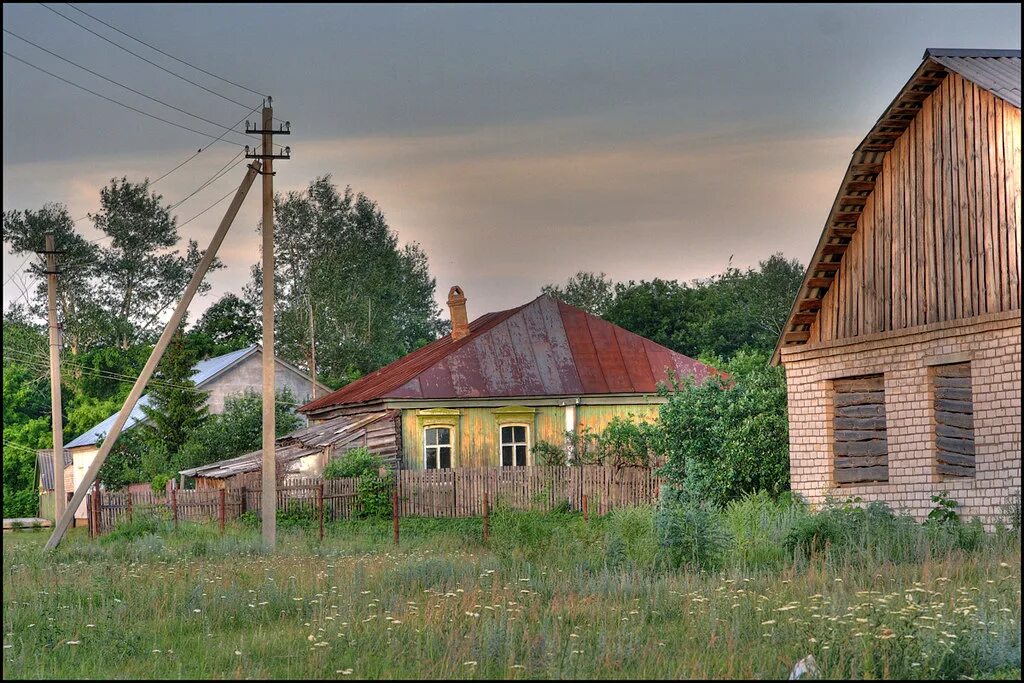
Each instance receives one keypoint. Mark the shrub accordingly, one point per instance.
(373, 491)
(130, 530)
(690, 532)
(728, 436)
(159, 483)
(547, 453)
(630, 538)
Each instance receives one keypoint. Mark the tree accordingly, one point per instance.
(176, 408)
(229, 324)
(112, 293)
(77, 308)
(238, 430)
(591, 292)
(728, 436)
(372, 300)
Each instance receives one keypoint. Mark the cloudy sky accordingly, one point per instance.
(517, 145)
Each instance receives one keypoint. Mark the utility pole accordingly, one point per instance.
(64, 521)
(56, 409)
(269, 493)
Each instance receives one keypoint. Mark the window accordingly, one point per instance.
(954, 420)
(860, 448)
(437, 448)
(514, 445)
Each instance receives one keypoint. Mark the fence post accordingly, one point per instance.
(486, 519)
(98, 504)
(244, 503)
(585, 517)
(88, 514)
(320, 507)
(174, 506)
(223, 496)
(394, 509)
(129, 506)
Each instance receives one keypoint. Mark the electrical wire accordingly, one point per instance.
(148, 61)
(117, 102)
(166, 54)
(126, 87)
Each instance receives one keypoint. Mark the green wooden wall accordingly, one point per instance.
(476, 431)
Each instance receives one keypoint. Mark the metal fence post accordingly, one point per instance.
(584, 507)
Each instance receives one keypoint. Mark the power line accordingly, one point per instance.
(110, 99)
(148, 61)
(122, 85)
(166, 54)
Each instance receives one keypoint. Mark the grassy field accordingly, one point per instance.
(549, 597)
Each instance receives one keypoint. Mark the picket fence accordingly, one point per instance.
(432, 493)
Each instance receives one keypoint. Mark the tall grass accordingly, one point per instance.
(550, 596)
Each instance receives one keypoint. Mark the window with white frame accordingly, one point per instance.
(437, 448)
(514, 445)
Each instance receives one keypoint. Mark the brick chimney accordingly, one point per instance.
(457, 312)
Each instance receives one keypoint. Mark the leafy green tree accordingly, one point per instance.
(591, 292)
(728, 436)
(176, 408)
(338, 260)
(238, 430)
(229, 324)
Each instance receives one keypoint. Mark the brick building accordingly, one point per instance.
(902, 351)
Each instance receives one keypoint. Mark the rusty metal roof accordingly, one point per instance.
(997, 71)
(544, 348)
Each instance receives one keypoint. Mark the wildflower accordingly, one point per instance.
(469, 664)
(238, 652)
(768, 623)
(74, 642)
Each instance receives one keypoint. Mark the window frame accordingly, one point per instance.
(437, 447)
(514, 444)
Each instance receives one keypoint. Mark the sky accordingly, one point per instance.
(515, 144)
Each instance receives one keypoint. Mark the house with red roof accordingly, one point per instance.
(486, 394)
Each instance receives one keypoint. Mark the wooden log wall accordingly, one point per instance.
(939, 236)
(954, 420)
(860, 447)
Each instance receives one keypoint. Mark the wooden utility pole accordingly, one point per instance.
(64, 521)
(56, 409)
(269, 494)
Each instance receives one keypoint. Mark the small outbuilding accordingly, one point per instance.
(902, 350)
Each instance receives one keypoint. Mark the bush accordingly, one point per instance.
(728, 436)
(547, 453)
(690, 532)
(159, 483)
(130, 530)
(630, 539)
(373, 491)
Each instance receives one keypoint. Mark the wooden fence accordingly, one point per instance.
(432, 493)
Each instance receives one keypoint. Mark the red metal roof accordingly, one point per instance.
(544, 348)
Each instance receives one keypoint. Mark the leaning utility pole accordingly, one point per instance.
(64, 521)
(56, 409)
(269, 492)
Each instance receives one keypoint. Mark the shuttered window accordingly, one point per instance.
(954, 419)
(860, 447)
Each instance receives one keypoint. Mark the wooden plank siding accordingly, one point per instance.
(953, 404)
(938, 238)
(861, 452)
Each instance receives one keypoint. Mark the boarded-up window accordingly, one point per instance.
(861, 450)
(954, 419)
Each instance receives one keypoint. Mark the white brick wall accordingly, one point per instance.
(992, 345)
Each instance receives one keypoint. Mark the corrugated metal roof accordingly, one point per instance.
(203, 372)
(544, 348)
(998, 71)
(44, 458)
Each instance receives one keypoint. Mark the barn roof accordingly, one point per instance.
(203, 372)
(44, 459)
(997, 71)
(543, 348)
